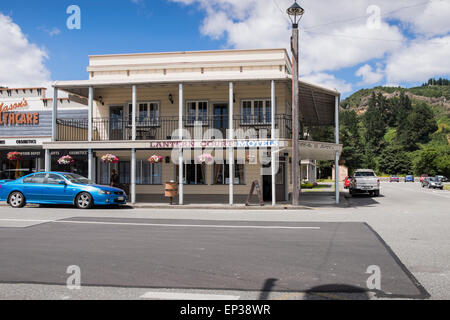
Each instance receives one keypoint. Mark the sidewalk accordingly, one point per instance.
(308, 201)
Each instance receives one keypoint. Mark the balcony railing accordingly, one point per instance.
(164, 128)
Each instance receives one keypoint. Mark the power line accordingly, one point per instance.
(366, 16)
(433, 41)
(282, 12)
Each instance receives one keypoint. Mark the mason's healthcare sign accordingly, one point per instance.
(9, 118)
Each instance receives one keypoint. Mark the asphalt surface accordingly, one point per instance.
(145, 254)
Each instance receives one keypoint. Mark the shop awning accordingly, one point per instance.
(313, 150)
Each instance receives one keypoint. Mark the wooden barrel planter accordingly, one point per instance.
(171, 190)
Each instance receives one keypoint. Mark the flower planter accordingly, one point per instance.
(110, 158)
(155, 159)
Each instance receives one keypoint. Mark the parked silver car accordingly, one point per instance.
(432, 182)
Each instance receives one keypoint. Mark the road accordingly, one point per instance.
(199, 254)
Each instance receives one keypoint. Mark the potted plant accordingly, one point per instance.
(155, 159)
(205, 158)
(110, 158)
(14, 156)
(66, 160)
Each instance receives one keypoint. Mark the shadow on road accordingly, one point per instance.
(323, 292)
(336, 292)
(267, 288)
(67, 206)
(362, 200)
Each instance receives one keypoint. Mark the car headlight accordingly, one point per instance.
(104, 192)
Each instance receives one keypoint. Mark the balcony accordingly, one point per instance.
(164, 128)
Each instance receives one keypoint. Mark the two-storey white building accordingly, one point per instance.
(234, 105)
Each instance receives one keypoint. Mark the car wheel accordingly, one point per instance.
(16, 200)
(377, 193)
(84, 201)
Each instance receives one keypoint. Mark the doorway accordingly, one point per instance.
(280, 184)
(220, 118)
(116, 123)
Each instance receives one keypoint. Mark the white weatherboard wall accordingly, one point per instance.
(206, 65)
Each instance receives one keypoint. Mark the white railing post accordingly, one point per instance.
(133, 111)
(48, 160)
(180, 137)
(133, 176)
(90, 164)
(336, 165)
(273, 149)
(55, 115)
(231, 149)
(90, 112)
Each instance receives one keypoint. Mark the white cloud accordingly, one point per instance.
(21, 62)
(335, 34)
(51, 32)
(427, 18)
(421, 60)
(368, 75)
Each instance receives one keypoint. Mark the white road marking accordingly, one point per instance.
(164, 225)
(186, 296)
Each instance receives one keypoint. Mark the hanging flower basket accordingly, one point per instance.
(66, 160)
(155, 159)
(110, 158)
(14, 156)
(205, 158)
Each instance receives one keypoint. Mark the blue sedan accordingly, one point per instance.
(59, 188)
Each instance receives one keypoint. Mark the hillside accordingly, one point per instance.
(437, 97)
(397, 130)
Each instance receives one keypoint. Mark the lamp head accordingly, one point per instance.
(295, 13)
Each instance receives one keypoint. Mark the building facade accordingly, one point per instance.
(26, 123)
(185, 107)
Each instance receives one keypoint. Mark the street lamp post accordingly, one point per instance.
(295, 13)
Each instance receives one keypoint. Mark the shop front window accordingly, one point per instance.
(193, 173)
(221, 174)
(146, 173)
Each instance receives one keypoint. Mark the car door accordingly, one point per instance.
(33, 187)
(57, 190)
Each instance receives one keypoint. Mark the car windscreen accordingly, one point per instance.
(75, 178)
(365, 174)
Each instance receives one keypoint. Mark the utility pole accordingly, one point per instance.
(295, 13)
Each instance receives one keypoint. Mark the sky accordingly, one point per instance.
(345, 45)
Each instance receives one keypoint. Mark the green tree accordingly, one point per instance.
(432, 160)
(352, 152)
(419, 125)
(394, 160)
(374, 125)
